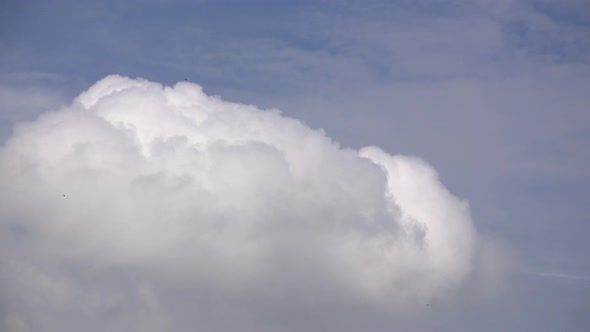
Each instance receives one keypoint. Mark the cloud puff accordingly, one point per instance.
(143, 207)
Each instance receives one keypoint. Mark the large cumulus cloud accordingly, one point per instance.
(145, 207)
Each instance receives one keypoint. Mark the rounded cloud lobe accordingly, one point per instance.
(143, 207)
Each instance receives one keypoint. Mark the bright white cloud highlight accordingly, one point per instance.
(137, 193)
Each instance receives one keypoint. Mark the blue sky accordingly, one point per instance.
(493, 94)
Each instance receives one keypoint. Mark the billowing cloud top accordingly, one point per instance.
(184, 192)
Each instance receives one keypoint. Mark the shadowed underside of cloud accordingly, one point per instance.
(143, 207)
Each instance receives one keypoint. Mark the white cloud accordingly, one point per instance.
(145, 207)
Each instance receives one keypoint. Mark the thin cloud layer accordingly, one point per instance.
(144, 207)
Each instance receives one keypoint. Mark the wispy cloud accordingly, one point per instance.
(559, 275)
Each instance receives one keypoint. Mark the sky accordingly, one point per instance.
(295, 165)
